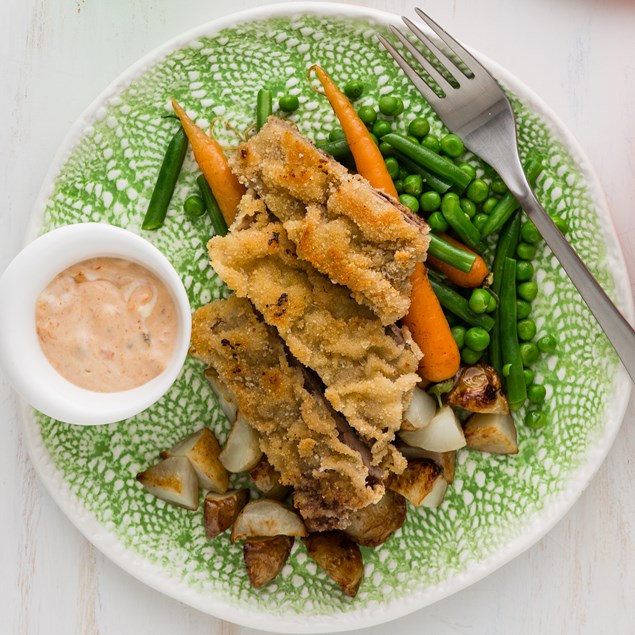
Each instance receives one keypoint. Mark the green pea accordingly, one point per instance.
(390, 106)
(367, 114)
(451, 319)
(479, 221)
(386, 149)
(392, 165)
(523, 309)
(529, 376)
(536, 393)
(469, 356)
(430, 201)
(336, 134)
(398, 186)
(419, 127)
(451, 145)
(528, 290)
(413, 184)
(489, 204)
(470, 170)
(289, 103)
(529, 353)
(479, 300)
(535, 419)
(477, 338)
(458, 333)
(409, 201)
(469, 207)
(431, 142)
(526, 329)
(194, 206)
(403, 173)
(477, 191)
(498, 186)
(561, 224)
(529, 233)
(547, 343)
(524, 271)
(381, 128)
(437, 222)
(526, 251)
(491, 307)
(353, 89)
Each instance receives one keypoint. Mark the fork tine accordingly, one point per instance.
(430, 69)
(465, 56)
(414, 77)
(434, 49)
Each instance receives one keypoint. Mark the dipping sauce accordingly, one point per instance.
(107, 324)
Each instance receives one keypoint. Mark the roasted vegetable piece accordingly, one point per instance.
(226, 400)
(339, 556)
(265, 557)
(418, 480)
(446, 460)
(442, 434)
(267, 479)
(266, 517)
(478, 389)
(494, 433)
(421, 410)
(242, 450)
(172, 480)
(374, 524)
(202, 449)
(220, 510)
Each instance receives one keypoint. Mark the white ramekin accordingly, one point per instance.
(21, 356)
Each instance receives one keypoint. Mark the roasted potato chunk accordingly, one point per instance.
(447, 460)
(242, 450)
(220, 510)
(202, 449)
(374, 524)
(478, 389)
(264, 517)
(265, 557)
(267, 479)
(494, 433)
(417, 480)
(339, 556)
(172, 480)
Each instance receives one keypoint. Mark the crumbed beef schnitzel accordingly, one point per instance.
(356, 235)
(311, 446)
(369, 370)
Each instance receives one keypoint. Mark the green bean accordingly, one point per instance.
(216, 216)
(515, 381)
(457, 304)
(507, 205)
(457, 220)
(451, 255)
(338, 149)
(166, 181)
(264, 107)
(429, 160)
(506, 247)
(433, 182)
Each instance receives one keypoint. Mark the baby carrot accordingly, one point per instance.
(368, 159)
(227, 189)
(430, 330)
(470, 280)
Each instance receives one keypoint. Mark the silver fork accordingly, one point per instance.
(474, 107)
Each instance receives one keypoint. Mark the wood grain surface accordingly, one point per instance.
(579, 55)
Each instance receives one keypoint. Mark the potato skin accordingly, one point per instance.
(265, 557)
(220, 511)
(267, 479)
(374, 524)
(340, 558)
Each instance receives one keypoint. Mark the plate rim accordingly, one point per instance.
(226, 607)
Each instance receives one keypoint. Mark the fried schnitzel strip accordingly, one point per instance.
(369, 370)
(356, 235)
(314, 450)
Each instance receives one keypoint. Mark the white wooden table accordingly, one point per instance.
(57, 55)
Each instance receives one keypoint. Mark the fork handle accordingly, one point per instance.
(613, 323)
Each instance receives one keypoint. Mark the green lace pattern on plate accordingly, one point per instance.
(109, 177)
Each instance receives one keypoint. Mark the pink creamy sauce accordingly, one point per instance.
(107, 324)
